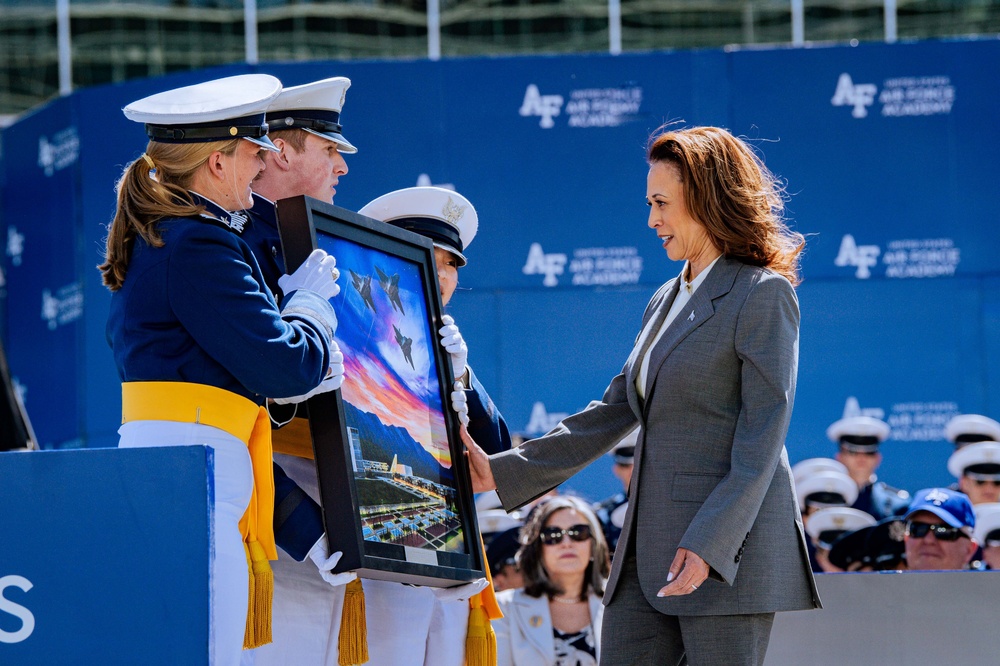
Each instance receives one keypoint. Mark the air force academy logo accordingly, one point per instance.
(862, 257)
(857, 95)
(549, 265)
(545, 106)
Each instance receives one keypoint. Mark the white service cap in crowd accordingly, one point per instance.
(492, 521)
(444, 216)
(211, 111)
(488, 500)
(826, 488)
(810, 466)
(314, 107)
(967, 428)
(827, 525)
(979, 460)
(624, 451)
(861, 434)
(987, 522)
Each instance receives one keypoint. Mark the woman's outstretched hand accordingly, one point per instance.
(479, 464)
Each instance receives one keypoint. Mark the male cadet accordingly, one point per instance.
(611, 511)
(306, 129)
(977, 468)
(988, 533)
(858, 438)
(820, 485)
(940, 525)
(969, 428)
(829, 524)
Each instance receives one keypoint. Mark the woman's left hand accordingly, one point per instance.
(687, 572)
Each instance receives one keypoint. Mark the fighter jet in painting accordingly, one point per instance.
(405, 344)
(363, 283)
(391, 287)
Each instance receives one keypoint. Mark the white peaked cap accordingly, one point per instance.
(987, 520)
(314, 107)
(837, 519)
(804, 468)
(444, 216)
(978, 453)
(211, 111)
(828, 481)
(972, 424)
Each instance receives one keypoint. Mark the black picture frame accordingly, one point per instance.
(403, 519)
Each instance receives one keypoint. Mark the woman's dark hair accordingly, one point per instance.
(529, 556)
(728, 189)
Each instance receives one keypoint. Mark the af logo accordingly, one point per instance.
(17, 610)
(15, 245)
(545, 106)
(541, 421)
(46, 156)
(549, 265)
(860, 95)
(863, 257)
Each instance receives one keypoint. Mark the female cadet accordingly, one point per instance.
(198, 340)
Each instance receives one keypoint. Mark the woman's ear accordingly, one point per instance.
(216, 163)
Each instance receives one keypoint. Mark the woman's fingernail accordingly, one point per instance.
(670, 576)
(660, 594)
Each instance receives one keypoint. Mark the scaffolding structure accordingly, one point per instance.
(47, 48)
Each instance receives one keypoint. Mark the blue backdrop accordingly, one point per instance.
(885, 150)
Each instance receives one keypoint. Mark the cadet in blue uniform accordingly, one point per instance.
(198, 339)
(858, 438)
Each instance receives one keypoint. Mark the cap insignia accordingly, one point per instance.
(452, 211)
(897, 530)
(233, 131)
(937, 497)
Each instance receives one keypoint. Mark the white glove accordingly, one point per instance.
(459, 403)
(317, 273)
(325, 562)
(333, 381)
(460, 592)
(451, 339)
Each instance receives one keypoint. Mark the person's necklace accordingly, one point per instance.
(564, 600)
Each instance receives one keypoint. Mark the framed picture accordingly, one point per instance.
(397, 499)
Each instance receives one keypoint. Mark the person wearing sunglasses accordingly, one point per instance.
(555, 620)
(939, 531)
(858, 439)
(977, 468)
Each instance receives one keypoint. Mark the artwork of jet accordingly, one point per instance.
(391, 287)
(363, 283)
(405, 344)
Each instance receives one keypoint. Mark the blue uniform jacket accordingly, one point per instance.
(298, 521)
(196, 310)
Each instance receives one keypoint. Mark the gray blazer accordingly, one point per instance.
(711, 471)
(524, 634)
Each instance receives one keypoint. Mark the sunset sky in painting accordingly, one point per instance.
(378, 378)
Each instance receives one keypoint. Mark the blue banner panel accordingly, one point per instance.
(43, 275)
(105, 557)
(883, 150)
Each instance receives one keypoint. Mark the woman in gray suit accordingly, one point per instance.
(712, 544)
(556, 619)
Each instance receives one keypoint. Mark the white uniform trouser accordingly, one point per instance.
(407, 626)
(228, 577)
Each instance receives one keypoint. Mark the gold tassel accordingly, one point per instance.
(353, 627)
(248, 634)
(481, 641)
(258, 630)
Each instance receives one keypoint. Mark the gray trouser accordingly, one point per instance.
(636, 634)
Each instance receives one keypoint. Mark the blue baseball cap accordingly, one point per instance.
(951, 506)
